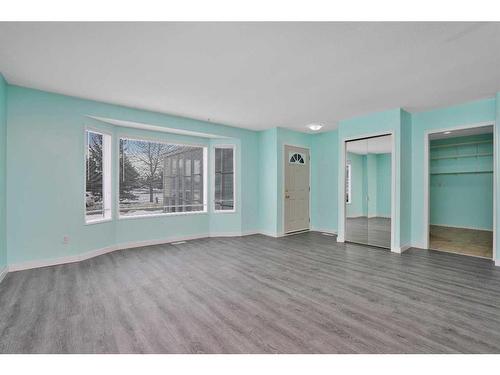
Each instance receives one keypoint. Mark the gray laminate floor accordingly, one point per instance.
(299, 294)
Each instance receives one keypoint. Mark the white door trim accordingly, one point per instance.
(283, 165)
(394, 174)
(426, 179)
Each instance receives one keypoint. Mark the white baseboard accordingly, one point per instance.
(404, 248)
(3, 273)
(497, 262)
(270, 234)
(233, 234)
(225, 234)
(93, 253)
(250, 233)
(400, 249)
(128, 245)
(325, 230)
(419, 245)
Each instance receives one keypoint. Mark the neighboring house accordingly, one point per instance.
(183, 180)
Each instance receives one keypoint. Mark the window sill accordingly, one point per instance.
(98, 221)
(162, 215)
(224, 211)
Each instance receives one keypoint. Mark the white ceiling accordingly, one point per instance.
(258, 75)
(376, 145)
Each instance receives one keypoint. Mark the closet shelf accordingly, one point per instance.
(463, 144)
(461, 156)
(461, 172)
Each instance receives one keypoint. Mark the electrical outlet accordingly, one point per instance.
(65, 240)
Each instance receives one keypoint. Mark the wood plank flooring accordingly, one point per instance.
(304, 293)
(462, 241)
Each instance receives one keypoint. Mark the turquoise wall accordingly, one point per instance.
(324, 176)
(436, 120)
(3, 172)
(44, 173)
(268, 182)
(462, 199)
(45, 178)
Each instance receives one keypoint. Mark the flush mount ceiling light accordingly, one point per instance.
(314, 127)
(447, 132)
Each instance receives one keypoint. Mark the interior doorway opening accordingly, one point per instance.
(461, 188)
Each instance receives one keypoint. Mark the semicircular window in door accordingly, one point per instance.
(296, 158)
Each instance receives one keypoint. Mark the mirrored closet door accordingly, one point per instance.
(368, 191)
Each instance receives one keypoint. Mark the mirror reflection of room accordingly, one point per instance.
(368, 191)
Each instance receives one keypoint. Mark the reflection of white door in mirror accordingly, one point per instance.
(348, 183)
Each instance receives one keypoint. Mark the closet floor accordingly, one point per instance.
(462, 241)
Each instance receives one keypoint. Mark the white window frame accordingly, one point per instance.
(233, 147)
(155, 140)
(106, 176)
(348, 181)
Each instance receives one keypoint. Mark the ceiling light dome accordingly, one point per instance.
(314, 127)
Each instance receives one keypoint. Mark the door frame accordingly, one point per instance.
(426, 179)
(342, 207)
(283, 180)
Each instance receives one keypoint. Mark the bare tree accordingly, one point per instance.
(151, 154)
(129, 176)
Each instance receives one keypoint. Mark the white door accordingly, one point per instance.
(296, 199)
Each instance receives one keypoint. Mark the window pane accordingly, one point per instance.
(158, 178)
(218, 160)
(94, 200)
(227, 192)
(218, 186)
(196, 166)
(224, 179)
(227, 160)
(187, 165)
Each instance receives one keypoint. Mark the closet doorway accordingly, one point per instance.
(368, 191)
(461, 191)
